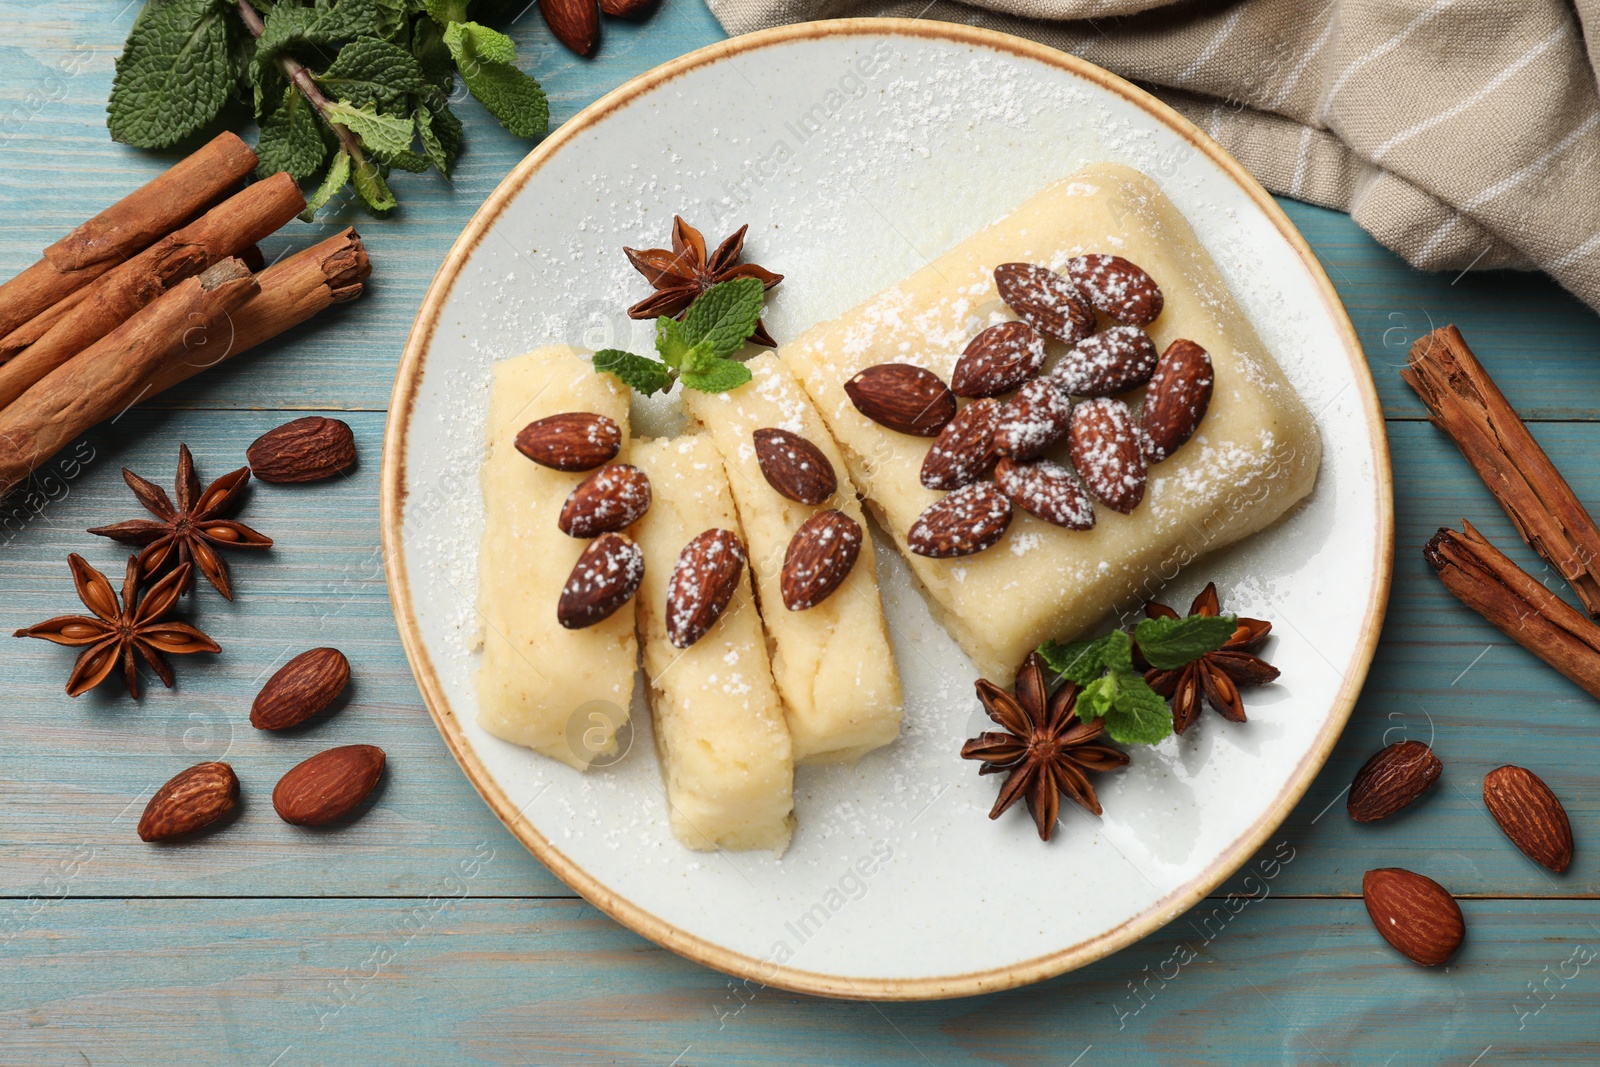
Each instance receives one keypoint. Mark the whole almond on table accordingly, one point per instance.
(794, 466)
(1391, 779)
(571, 441)
(1047, 490)
(305, 450)
(961, 523)
(612, 498)
(605, 577)
(328, 786)
(1415, 914)
(192, 800)
(1530, 815)
(1118, 288)
(903, 397)
(998, 360)
(1176, 402)
(1112, 361)
(1032, 420)
(703, 581)
(626, 9)
(820, 556)
(301, 689)
(964, 450)
(575, 23)
(1106, 450)
(1045, 300)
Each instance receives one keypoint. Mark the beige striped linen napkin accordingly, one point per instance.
(1460, 133)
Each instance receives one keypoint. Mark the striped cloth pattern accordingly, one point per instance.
(1460, 133)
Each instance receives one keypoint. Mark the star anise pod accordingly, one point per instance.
(116, 631)
(1045, 749)
(680, 274)
(1215, 677)
(193, 530)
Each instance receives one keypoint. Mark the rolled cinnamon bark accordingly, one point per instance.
(327, 273)
(226, 230)
(105, 378)
(126, 228)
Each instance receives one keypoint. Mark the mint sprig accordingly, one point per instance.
(1170, 643)
(695, 351)
(343, 89)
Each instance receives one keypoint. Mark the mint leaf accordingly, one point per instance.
(445, 12)
(385, 136)
(337, 177)
(671, 342)
(1139, 715)
(371, 187)
(725, 315)
(174, 74)
(291, 139)
(484, 58)
(1171, 643)
(288, 27)
(1077, 661)
(370, 71)
(646, 375)
(441, 136)
(716, 375)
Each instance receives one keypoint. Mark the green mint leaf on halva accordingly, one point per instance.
(725, 315)
(716, 375)
(1168, 643)
(174, 75)
(484, 57)
(648, 376)
(291, 139)
(671, 342)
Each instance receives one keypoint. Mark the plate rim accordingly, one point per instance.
(408, 378)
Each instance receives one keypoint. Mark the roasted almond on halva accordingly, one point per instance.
(1032, 420)
(903, 397)
(820, 556)
(964, 450)
(612, 498)
(1117, 288)
(1176, 402)
(1530, 815)
(605, 577)
(704, 579)
(1391, 779)
(1106, 451)
(571, 441)
(1415, 914)
(1110, 362)
(1045, 300)
(961, 523)
(794, 466)
(300, 689)
(190, 801)
(998, 360)
(1047, 490)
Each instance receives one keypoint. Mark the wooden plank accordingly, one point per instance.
(458, 980)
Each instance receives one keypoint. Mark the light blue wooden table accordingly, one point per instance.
(425, 934)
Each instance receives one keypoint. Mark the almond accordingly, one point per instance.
(329, 785)
(1118, 288)
(703, 582)
(1179, 393)
(1415, 914)
(1046, 489)
(1045, 300)
(571, 441)
(1034, 419)
(998, 360)
(575, 23)
(964, 450)
(305, 450)
(605, 577)
(1391, 779)
(820, 557)
(192, 800)
(903, 397)
(1112, 361)
(301, 688)
(966, 521)
(1106, 451)
(626, 9)
(612, 498)
(794, 466)
(1530, 815)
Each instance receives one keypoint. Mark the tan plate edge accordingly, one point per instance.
(392, 501)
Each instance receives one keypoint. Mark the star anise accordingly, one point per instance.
(190, 532)
(682, 273)
(1215, 677)
(1045, 749)
(116, 631)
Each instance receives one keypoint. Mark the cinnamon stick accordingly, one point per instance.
(330, 272)
(226, 230)
(126, 228)
(1465, 403)
(104, 378)
(1482, 578)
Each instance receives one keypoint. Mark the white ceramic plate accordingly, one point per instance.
(857, 150)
